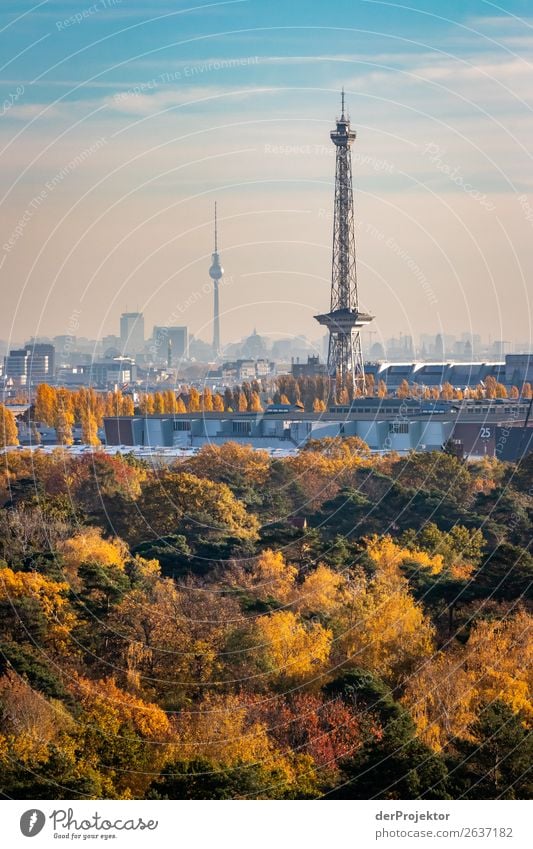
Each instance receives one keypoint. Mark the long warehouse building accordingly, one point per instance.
(500, 428)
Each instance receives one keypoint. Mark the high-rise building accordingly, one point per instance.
(132, 332)
(216, 272)
(344, 321)
(42, 362)
(16, 366)
(177, 336)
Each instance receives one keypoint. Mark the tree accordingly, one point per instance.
(45, 404)
(169, 401)
(64, 417)
(207, 400)
(255, 403)
(403, 390)
(128, 407)
(494, 761)
(447, 692)
(89, 428)
(194, 404)
(89, 546)
(35, 608)
(447, 392)
(199, 506)
(322, 592)
(289, 649)
(159, 403)
(241, 467)
(272, 576)
(146, 404)
(392, 763)
(218, 403)
(8, 428)
(383, 628)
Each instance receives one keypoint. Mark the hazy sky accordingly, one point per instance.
(120, 128)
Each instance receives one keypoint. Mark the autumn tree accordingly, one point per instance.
(45, 404)
(146, 404)
(64, 417)
(89, 428)
(289, 649)
(207, 400)
(403, 390)
(8, 427)
(199, 506)
(159, 403)
(194, 405)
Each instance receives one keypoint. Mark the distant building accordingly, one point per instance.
(312, 368)
(105, 374)
(483, 428)
(30, 365)
(179, 341)
(42, 362)
(16, 366)
(131, 332)
(237, 371)
(518, 369)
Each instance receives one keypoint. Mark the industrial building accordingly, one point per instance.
(475, 428)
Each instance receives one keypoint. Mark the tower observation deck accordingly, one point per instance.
(344, 320)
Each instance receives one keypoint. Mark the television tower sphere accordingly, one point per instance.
(216, 272)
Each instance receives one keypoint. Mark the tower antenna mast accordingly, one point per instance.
(216, 272)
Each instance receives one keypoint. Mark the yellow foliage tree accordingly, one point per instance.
(207, 400)
(159, 404)
(383, 628)
(445, 694)
(169, 401)
(45, 404)
(218, 403)
(146, 404)
(50, 596)
(89, 546)
(272, 576)
(128, 407)
(89, 428)
(194, 401)
(255, 403)
(64, 417)
(323, 591)
(289, 649)
(8, 428)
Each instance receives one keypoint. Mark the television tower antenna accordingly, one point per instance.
(216, 272)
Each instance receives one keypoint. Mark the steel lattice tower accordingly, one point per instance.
(216, 272)
(344, 321)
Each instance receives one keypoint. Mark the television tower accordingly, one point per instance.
(216, 272)
(344, 321)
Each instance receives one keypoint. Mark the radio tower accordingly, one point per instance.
(344, 321)
(216, 272)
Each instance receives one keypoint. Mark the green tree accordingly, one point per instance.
(496, 762)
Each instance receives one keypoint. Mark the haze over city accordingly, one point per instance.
(122, 126)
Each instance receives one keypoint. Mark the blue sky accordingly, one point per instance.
(141, 115)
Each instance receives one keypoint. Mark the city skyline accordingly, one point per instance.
(107, 200)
